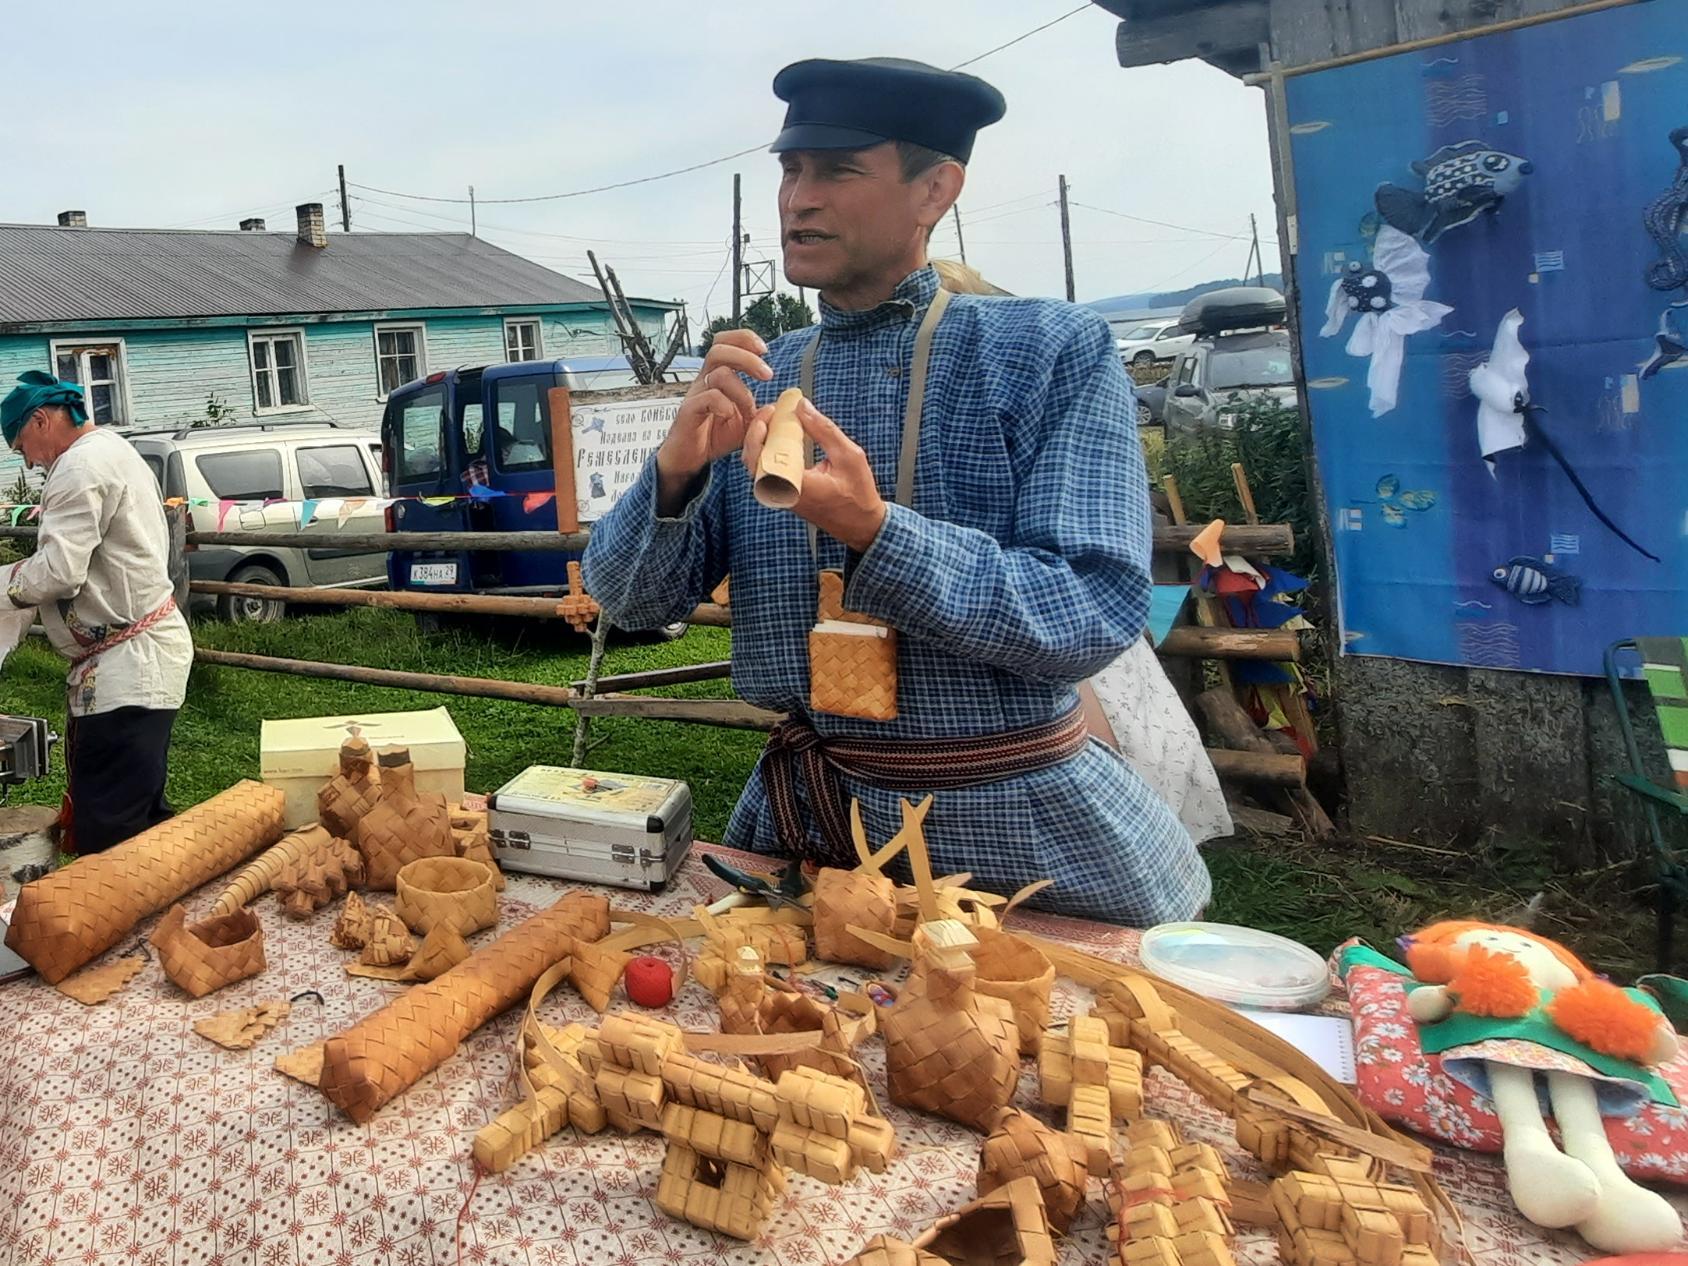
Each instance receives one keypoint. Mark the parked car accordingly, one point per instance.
(488, 425)
(1151, 404)
(287, 462)
(1145, 342)
(1240, 352)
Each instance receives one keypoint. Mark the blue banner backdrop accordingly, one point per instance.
(1512, 205)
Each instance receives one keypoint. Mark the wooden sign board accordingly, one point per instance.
(611, 435)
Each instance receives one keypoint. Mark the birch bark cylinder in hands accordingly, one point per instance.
(779, 470)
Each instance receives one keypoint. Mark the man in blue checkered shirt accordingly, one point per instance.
(1017, 566)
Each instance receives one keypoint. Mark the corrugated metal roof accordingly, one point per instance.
(50, 274)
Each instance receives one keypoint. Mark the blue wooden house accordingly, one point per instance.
(159, 324)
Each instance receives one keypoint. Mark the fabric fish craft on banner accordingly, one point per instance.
(1460, 183)
(1534, 582)
(1389, 300)
(1507, 420)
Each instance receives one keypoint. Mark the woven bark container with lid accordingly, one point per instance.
(386, 1053)
(71, 916)
(347, 798)
(404, 827)
(449, 890)
(203, 957)
(948, 1048)
(861, 897)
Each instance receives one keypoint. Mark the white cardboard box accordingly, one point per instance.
(300, 755)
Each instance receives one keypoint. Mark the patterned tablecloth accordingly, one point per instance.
(127, 1138)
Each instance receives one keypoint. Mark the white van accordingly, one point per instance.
(289, 462)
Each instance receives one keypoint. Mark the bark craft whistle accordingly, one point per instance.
(779, 470)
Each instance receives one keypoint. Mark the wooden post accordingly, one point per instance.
(176, 523)
(594, 665)
(1208, 614)
(1230, 725)
(562, 460)
(1067, 241)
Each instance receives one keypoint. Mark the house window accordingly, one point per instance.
(98, 368)
(278, 370)
(401, 356)
(521, 340)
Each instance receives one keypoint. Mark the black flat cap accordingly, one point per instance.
(855, 104)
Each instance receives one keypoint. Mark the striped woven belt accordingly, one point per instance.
(947, 764)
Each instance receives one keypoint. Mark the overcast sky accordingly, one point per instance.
(197, 114)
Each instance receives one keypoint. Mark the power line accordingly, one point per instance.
(1052, 22)
(681, 171)
(1164, 224)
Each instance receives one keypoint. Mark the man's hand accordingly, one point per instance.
(714, 416)
(839, 496)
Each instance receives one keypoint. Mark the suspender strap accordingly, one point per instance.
(916, 395)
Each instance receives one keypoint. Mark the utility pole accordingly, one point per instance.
(472, 232)
(738, 254)
(345, 203)
(961, 244)
(1259, 259)
(1067, 241)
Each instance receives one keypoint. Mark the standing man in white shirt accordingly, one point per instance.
(99, 580)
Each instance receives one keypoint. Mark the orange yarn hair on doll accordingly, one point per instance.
(1487, 982)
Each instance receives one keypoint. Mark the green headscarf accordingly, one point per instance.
(35, 390)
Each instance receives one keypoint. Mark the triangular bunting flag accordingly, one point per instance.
(480, 492)
(348, 508)
(17, 514)
(437, 502)
(534, 500)
(223, 508)
(34, 513)
(307, 512)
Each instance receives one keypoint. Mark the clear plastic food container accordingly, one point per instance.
(1241, 966)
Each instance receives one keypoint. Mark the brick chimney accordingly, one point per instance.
(312, 230)
(254, 225)
(73, 219)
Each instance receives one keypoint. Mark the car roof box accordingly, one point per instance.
(1233, 308)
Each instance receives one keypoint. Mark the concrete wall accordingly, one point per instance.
(170, 372)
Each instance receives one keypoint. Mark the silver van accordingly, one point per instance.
(286, 462)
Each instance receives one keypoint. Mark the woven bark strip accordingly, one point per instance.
(1021, 1146)
(405, 826)
(843, 897)
(346, 799)
(239, 1030)
(258, 878)
(71, 916)
(323, 870)
(441, 950)
(96, 984)
(203, 957)
(452, 891)
(388, 1052)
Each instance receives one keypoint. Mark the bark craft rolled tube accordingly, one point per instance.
(73, 915)
(779, 470)
(386, 1053)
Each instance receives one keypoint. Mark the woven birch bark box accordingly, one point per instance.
(299, 755)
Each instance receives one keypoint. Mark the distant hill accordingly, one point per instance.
(1175, 298)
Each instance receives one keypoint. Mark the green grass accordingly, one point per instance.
(216, 737)
(1319, 896)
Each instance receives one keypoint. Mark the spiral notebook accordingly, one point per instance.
(1327, 1040)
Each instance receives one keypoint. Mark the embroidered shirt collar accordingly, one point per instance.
(907, 301)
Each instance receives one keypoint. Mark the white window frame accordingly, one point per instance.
(391, 327)
(53, 346)
(274, 332)
(538, 337)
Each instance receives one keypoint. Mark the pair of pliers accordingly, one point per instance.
(786, 893)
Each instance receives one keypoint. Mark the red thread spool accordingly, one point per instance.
(649, 981)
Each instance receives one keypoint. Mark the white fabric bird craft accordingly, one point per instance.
(1389, 300)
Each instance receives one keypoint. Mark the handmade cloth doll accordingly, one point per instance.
(1521, 1020)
